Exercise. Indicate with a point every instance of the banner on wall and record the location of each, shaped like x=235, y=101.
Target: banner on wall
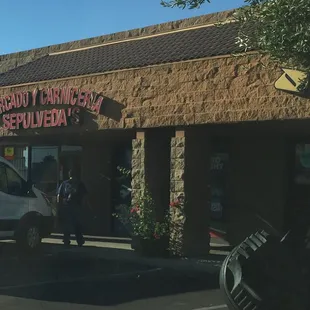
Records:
x=9, y=152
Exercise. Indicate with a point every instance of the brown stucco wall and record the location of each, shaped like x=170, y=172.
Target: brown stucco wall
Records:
x=229, y=89
x=218, y=90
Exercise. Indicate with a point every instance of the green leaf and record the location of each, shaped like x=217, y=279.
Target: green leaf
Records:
x=182, y=4
x=279, y=28
x=282, y=30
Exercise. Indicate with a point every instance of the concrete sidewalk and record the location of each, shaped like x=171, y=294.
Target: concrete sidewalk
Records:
x=121, y=251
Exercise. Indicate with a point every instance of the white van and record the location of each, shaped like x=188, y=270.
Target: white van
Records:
x=26, y=215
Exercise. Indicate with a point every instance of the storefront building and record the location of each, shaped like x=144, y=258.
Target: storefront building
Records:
x=171, y=103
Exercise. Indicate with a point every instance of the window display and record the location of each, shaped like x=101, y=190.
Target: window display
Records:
x=302, y=164
x=219, y=163
x=44, y=168
x=121, y=186
x=18, y=158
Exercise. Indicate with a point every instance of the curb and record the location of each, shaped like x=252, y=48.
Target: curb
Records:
x=184, y=265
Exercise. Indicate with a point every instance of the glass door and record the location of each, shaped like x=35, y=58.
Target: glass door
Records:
x=69, y=158
x=219, y=169
x=121, y=187
x=44, y=169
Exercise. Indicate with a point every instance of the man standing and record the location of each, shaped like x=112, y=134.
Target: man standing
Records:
x=70, y=197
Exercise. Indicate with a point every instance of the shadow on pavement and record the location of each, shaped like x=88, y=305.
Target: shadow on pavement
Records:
x=78, y=278
x=117, y=290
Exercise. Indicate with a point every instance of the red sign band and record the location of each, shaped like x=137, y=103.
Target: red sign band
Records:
x=73, y=98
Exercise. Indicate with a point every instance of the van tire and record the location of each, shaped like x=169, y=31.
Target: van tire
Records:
x=29, y=236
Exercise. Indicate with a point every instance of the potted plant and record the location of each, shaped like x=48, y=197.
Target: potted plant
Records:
x=149, y=235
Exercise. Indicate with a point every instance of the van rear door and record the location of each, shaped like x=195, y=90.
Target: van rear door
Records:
x=14, y=200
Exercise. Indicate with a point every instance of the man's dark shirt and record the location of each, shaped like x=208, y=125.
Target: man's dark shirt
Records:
x=72, y=192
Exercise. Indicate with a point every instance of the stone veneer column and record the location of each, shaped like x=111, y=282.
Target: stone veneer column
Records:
x=189, y=184
x=138, y=165
x=151, y=167
x=177, y=193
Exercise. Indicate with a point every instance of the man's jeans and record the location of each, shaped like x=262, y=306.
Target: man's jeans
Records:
x=70, y=222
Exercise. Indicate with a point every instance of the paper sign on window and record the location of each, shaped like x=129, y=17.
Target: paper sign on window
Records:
x=9, y=152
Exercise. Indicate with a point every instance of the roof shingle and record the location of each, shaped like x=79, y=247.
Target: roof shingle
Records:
x=173, y=47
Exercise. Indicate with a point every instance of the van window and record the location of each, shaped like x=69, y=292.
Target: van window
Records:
x=16, y=185
x=3, y=180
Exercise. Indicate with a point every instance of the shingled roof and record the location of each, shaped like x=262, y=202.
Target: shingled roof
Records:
x=176, y=46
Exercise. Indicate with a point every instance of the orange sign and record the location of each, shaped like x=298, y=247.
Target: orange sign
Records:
x=9, y=152
x=290, y=80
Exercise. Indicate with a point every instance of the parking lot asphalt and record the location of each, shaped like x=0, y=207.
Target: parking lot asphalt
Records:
x=52, y=281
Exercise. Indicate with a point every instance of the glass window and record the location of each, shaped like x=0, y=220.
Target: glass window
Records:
x=3, y=180
x=44, y=168
x=302, y=164
x=70, y=157
x=71, y=148
x=219, y=162
x=121, y=184
x=16, y=185
x=219, y=202
x=20, y=160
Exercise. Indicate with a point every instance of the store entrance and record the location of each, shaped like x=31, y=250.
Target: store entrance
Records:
x=50, y=166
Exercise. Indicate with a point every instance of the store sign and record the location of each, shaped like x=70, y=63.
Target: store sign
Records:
x=63, y=107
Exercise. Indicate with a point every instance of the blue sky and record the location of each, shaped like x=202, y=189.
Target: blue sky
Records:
x=27, y=24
